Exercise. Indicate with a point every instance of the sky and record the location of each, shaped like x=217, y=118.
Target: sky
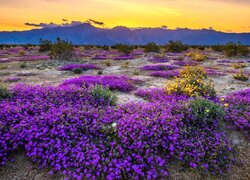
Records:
x=221, y=15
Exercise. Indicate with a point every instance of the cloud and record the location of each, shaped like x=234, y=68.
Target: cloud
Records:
x=65, y=24
x=42, y=25
x=91, y=21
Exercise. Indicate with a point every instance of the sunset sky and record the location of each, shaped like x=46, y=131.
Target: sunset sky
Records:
x=223, y=15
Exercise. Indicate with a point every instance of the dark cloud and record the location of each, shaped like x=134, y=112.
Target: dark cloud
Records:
x=66, y=24
x=42, y=25
x=91, y=21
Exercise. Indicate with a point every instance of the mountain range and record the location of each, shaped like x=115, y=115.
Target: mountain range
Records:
x=87, y=34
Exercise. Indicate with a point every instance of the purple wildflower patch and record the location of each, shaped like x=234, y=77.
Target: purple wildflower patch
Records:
x=121, y=83
x=70, y=67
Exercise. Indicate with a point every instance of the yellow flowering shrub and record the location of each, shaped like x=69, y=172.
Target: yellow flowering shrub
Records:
x=197, y=56
x=241, y=76
x=238, y=65
x=192, y=81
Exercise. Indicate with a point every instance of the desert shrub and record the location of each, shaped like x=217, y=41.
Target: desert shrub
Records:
x=45, y=45
x=23, y=65
x=4, y=92
x=77, y=71
x=203, y=143
x=100, y=72
x=103, y=95
x=204, y=112
x=241, y=76
x=125, y=65
x=2, y=66
x=123, y=48
x=136, y=73
x=235, y=49
x=176, y=46
x=238, y=65
x=21, y=53
x=151, y=47
x=191, y=82
x=197, y=56
x=106, y=48
x=107, y=63
x=218, y=48
x=62, y=50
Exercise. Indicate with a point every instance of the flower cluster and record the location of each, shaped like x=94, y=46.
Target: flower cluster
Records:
x=66, y=129
x=70, y=67
x=212, y=72
x=159, y=59
x=191, y=82
x=165, y=74
x=241, y=76
x=125, y=57
x=185, y=63
x=197, y=56
x=238, y=110
x=158, y=67
x=121, y=83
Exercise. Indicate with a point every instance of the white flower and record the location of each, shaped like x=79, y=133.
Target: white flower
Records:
x=114, y=124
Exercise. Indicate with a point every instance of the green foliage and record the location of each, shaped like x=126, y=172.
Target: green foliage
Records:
x=23, y=65
x=99, y=72
x=240, y=76
x=106, y=48
x=107, y=63
x=176, y=46
x=123, y=48
x=104, y=95
x=45, y=45
x=21, y=53
x=151, y=47
x=205, y=112
x=77, y=71
x=2, y=66
x=125, y=65
x=235, y=49
x=218, y=48
x=62, y=50
x=4, y=92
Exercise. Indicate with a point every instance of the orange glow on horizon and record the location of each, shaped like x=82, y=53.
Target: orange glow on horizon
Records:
x=227, y=16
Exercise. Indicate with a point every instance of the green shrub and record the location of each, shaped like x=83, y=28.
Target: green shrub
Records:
x=151, y=47
x=77, y=71
x=62, y=50
x=123, y=48
x=241, y=76
x=23, y=65
x=125, y=65
x=176, y=46
x=21, y=53
x=107, y=63
x=235, y=49
x=4, y=92
x=104, y=95
x=45, y=45
x=218, y=48
x=204, y=112
x=99, y=72
x=2, y=66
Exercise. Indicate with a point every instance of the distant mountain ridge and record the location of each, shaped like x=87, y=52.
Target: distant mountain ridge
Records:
x=86, y=34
